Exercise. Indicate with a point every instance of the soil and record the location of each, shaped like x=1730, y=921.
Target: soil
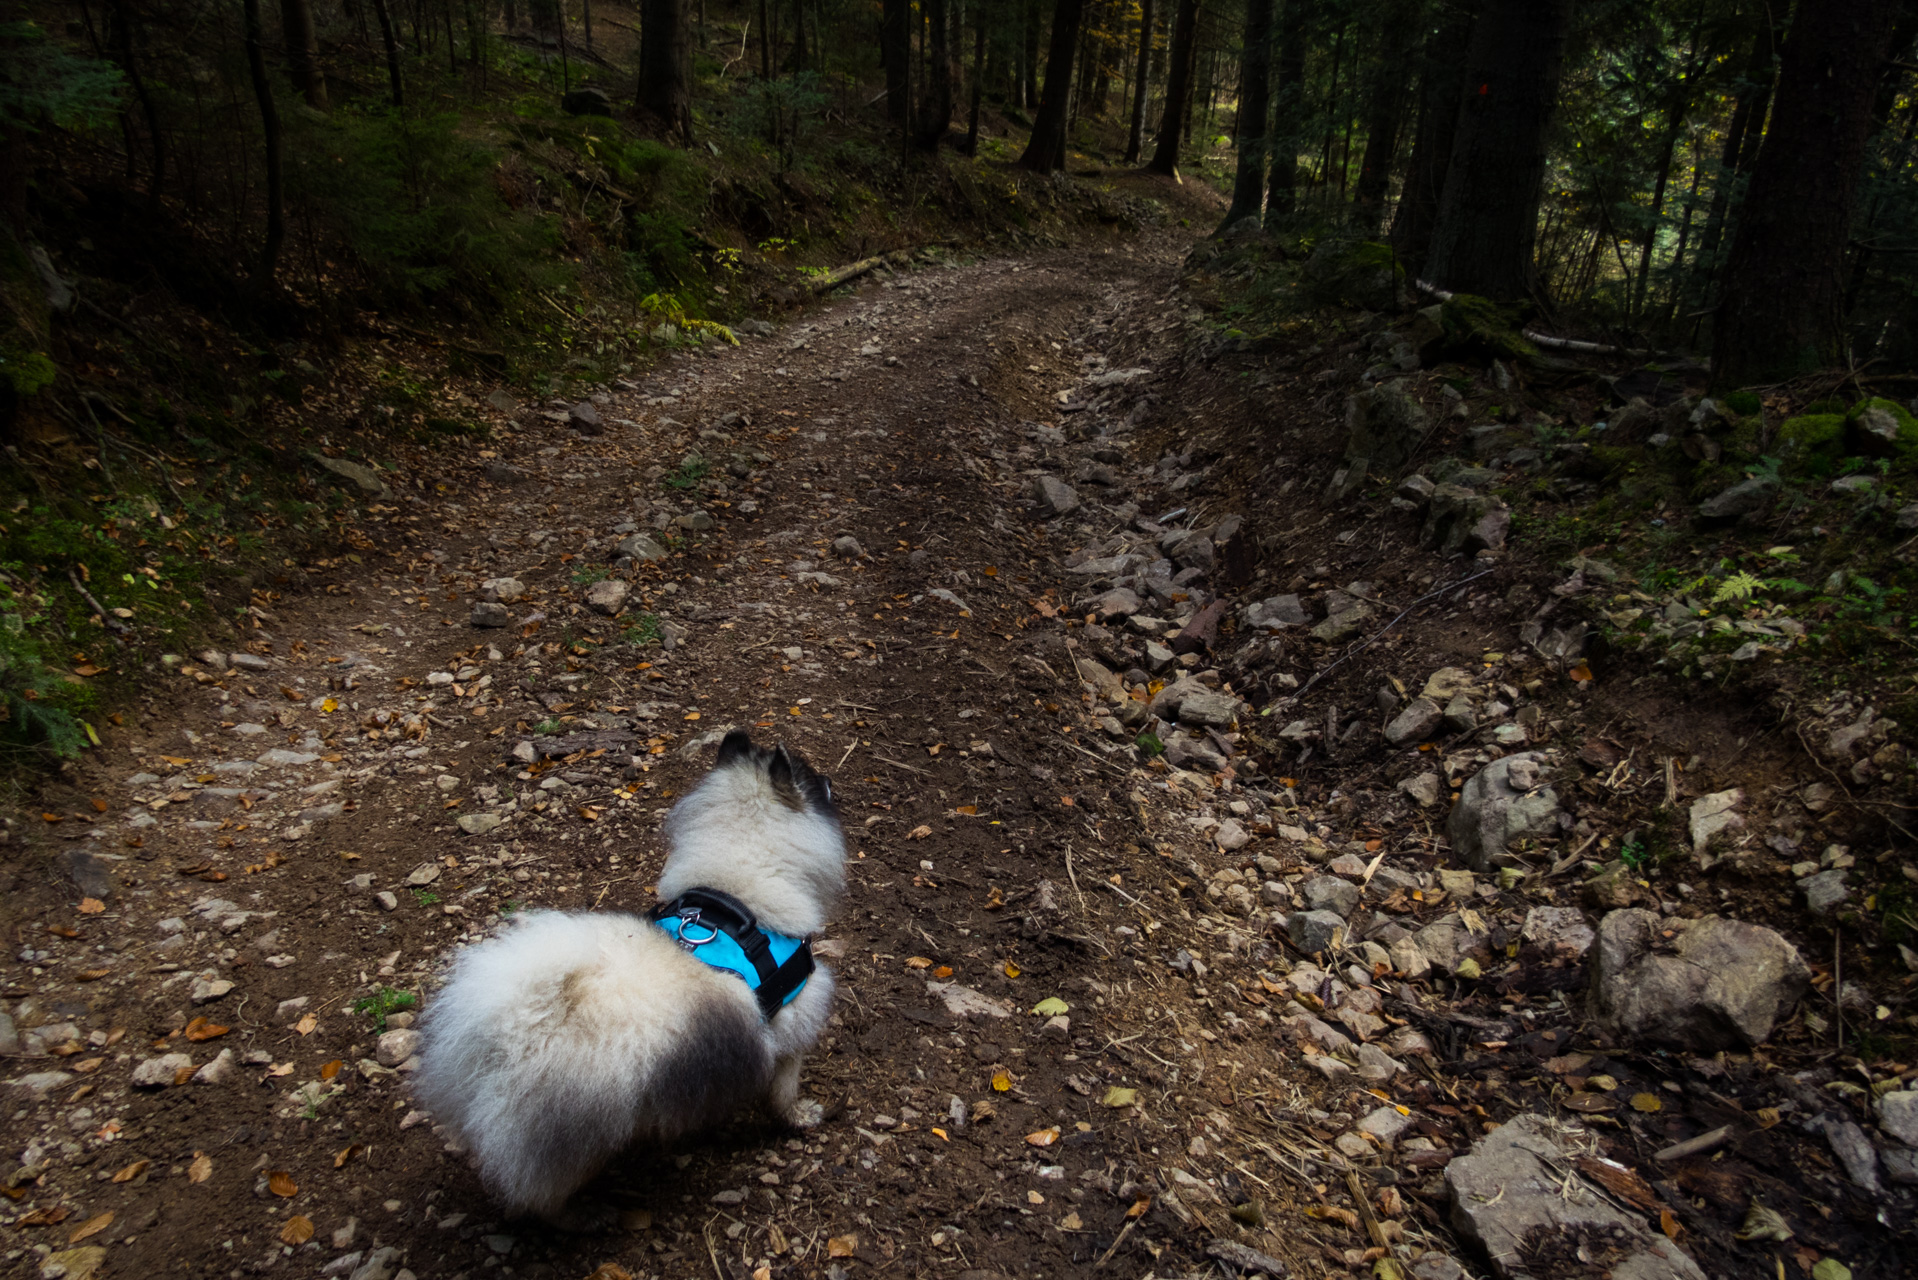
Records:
x=1002, y=842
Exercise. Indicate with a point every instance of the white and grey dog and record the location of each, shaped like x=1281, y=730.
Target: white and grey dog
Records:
x=574, y=1035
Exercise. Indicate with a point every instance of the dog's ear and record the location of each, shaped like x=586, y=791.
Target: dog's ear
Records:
x=783, y=774
x=735, y=746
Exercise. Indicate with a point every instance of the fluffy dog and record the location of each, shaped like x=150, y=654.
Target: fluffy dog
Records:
x=573, y=1035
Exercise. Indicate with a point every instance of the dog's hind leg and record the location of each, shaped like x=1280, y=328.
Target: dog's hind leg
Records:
x=800, y=1113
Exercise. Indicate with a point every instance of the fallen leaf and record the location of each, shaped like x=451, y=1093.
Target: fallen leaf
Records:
x=943, y=972
x=201, y=1029
x=282, y=1069
x=132, y=1171
x=842, y=1246
x=99, y=806
x=1768, y=1117
x=1763, y=1223
x=969, y=810
x=1051, y=1007
x=919, y=832
x=91, y=1227
x=611, y=1271
x=1119, y=1097
x=91, y=975
x=330, y=1069
x=995, y=898
x=918, y=962
x=281, y=1183
x=63, y=931
x=345, y=1154
x=329, y=705
x=1001, y=1082
x=1139, y=1207
x=1591, y=1102
x=1013, y=970
x=1830, y=1269
x=91, y=906
x=201, y=1169
x=1647, y=1102
x=1044, y=1137
x=1620, y=1181
x=1668, y=1223
x=306, y=1024
x=1581, y=673
x=46, y=1217
x=88, y=670
x=298, y=1230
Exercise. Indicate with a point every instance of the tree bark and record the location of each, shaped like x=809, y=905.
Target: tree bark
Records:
x=1488, y=214
x=935, y=104
x=1178, y=90
x=895, y=51
x=1440, y=92
x=1031, y=87
x=1135, y=130
x=270, y=127
x=1782, y=313
x=392, y=44
x=666, y=66
x=303, y=51
x=978, y=79
x=1387, y=95
x=1248, y=186
x=1046, y=152
x=1288, y=110
x=1741, y=137
x=120, y=37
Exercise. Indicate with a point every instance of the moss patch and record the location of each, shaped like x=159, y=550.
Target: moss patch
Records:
x=1479, y=326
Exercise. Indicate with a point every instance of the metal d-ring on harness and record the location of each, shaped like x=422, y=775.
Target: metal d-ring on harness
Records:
x=720, y=930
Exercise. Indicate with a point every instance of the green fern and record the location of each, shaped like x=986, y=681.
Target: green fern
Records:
x=1740, y=586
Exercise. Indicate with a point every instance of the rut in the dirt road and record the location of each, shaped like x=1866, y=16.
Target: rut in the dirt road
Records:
x=829, y=537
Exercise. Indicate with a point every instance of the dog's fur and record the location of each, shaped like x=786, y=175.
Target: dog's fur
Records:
x=575, y=1035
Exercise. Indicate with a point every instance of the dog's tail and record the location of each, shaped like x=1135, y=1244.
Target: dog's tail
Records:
x=554, y=1046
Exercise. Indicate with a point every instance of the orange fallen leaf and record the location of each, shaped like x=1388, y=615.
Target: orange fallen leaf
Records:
x=1044, y=1137
x=969, y=810
x=91, y=1227
x=942, y=972
x=46, y=1217
x=991, y=571
x=1013, y=970
x=611, y=1271
x=91, y=975
x=1580, y=673
x=281, y=1183
x=842, y=1246
x=1668, y=1224
x=88, y=1066
x=1001, y=1082
x=1139, y=1207
x=298, y=1230
x=201, y=1029
x=344, y=1154
x=201, y=1169
x=88, y=669
x=63, y=931
x=330, y=1069
x=99, y=806
x=91, y=906
x=132, y=1171
x=919, y=832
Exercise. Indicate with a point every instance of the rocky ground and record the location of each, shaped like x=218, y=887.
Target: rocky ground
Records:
x=1245, y=881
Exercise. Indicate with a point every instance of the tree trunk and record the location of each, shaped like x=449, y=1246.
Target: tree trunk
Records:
x=1248, y=187
x=895, y=51
x=1135, y=130
x=1046, y=152
x=1741, y=135
x=1178, y=90
x=1442, y=88
x=1385, y=109
x=1782, y=311
x=391, y=41
x=120, y=37
x=1488, y=215
x=935, y=104
x=303, y=51
x=796, y=60
x=1033, y=17
x=270, y=128
x=978, y=80
x=585, y=22
x=665, y=67
x=1288, y=110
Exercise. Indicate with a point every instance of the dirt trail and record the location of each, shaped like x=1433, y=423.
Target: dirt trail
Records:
x=282, y=840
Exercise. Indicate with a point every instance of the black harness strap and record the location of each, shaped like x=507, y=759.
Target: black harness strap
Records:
x=735, y=919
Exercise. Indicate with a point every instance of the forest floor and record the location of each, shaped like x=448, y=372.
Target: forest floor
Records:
x=287, y=840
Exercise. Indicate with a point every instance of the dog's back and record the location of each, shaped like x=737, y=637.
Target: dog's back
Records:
x=557, y=1045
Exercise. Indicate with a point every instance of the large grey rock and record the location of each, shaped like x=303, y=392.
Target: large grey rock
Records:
x=640, y=546
x=360, y=476
x=157, y=1073
x=1058, y=497
x=1715, y=815
x=1276, y=611
x=1345, y=623
x=1742, y=499
x=584, y=418
x=1507, y=800
x=608, y=597
x=1416, y=723
x=1712, y=984
x=1315, y=931
x=1512, y=1190
x=1563, y=932
x=1216, y=710
x=1384, y=426
x=1898, y=1115
x=504, y=590
x=488, y=614
x=1329, y=893
x=1462, y=522
x=1824, y=891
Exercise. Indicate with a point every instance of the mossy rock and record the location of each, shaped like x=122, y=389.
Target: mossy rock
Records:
x=1354, y=274
x=1743, y=403
x=1478, y=326
x=1811, y=433
x=1881, y=428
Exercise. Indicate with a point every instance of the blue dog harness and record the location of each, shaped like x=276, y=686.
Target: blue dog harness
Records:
x=720, y=930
